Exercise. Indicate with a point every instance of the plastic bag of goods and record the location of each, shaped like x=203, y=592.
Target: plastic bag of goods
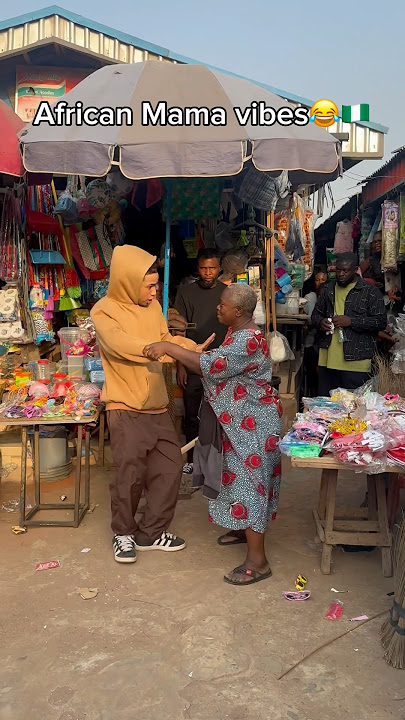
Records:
x=280, y=350
x=363, y=452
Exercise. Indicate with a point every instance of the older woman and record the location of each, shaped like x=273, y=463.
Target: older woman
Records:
x=237, y=384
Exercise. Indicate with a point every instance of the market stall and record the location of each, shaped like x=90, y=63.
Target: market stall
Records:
x=361, y=431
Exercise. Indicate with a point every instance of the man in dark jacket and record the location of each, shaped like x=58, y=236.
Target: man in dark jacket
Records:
x=348, y=316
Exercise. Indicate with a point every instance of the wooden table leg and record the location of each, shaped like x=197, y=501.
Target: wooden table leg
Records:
x=323, y=493
x=329, y=518
x=371, y=498
x=37, y=476
x=23, y=485
x=386, y=556
x=101, y=438
x=79, y=443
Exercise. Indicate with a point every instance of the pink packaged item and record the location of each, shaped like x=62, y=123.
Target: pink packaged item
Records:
x=335, y=611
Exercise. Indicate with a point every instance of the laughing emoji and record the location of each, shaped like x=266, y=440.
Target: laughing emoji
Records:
x=324, y=113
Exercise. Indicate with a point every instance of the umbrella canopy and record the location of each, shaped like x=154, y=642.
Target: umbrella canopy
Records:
x=10, y=126
x=309, y=153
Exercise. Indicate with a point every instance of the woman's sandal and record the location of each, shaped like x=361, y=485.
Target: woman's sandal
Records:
x=235, y=539
x=253, y=574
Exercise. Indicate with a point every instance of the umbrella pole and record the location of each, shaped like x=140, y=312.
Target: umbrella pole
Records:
x=167, y=248
x=270, y=275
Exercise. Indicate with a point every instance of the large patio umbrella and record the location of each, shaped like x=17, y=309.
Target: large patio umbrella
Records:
x=309, y=153
x=10, y=126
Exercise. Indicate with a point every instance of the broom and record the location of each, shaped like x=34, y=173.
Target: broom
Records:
x=393, y=629
x=388, y=381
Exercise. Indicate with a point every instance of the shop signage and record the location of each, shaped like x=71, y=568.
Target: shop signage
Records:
x=34, y=84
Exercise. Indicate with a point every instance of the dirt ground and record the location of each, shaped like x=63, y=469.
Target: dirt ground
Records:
x=167, y=639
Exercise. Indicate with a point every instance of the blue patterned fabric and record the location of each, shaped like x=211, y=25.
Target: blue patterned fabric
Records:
x=237, y=383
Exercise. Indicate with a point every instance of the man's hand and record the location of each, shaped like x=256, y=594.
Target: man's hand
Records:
x=154, y=351
x=325, y=325
x=202, y=348
x=341, y=321
x=181, y=376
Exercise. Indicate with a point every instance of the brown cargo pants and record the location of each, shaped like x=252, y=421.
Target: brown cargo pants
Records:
x=147, y=456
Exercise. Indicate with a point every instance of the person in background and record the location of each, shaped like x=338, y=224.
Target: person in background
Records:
x=312, y=289
x=144, y=443
x=371, y=267
x=197, y=303
x=238, y=390
x=348, y=316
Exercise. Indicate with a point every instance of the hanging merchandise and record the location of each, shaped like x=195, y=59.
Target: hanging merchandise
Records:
x=282, y=224
x=119, y=185
x=309, y=230
x=261, y=190
x=98, y=194
x=401, y=249
x=389, y=252
x=343, y=237
x=197, y=198
x=296, y=240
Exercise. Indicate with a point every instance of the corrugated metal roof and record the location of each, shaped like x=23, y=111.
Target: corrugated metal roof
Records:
x=112, y=44
x=382, y=171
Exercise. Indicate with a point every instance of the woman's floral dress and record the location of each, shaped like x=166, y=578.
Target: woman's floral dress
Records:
x=237, y=383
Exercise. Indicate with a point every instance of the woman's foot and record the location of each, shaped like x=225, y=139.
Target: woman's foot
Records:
x=233, y=537
x=247, y=574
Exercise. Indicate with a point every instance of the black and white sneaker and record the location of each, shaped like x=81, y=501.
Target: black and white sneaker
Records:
x=167, y=542
x=188, y=469
x=124, y=548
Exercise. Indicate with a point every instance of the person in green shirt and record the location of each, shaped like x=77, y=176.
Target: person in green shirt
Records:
x=348, y=316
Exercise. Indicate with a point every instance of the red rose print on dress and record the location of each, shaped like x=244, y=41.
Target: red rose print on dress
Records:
x=271, y=495
x=261, y=383
x=228, y=477
x=273, y=517
x=253, y=462
x=271, y=443
x=218, y=365
x=261, y=489
x=239, y=511
x=210, y=519
x=226, y=445
x=221, y=386
x=265, y=349
x=228, y=341
x=248, y=423
x=277, y=470
x=252, y=346
x=267, y=400
x=280, y=409
x=240, y=392
x=225, y=418
x=251, y=367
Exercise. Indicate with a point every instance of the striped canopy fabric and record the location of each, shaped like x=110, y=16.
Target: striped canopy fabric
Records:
x=309, y=153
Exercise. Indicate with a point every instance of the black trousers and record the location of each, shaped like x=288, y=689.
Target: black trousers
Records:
x=311, y=357
x=331, y=379
x=192, y=397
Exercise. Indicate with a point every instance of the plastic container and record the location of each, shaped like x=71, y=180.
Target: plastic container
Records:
x=69, y=336
x=75, y=366
x=281, y=308
x=43, y=371
x=293, y=303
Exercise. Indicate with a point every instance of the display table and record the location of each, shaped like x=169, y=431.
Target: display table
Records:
x=351, y=525
x=79, y=508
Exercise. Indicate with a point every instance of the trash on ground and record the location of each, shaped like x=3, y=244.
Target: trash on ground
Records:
x=85, y=550
x=47, y=565
x=360, y=617
x=338, y=591
x=87, y=593
x=63, y=497
x=191, y=674
x=17, y=530
x=335, y=611
x=300, y=582
x=92, y=508
x=300, y=595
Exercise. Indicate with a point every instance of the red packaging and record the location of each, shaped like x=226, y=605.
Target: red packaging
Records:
x=47, y=565
x=335, y=611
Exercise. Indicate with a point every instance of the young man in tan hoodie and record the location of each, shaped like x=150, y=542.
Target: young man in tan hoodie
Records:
x=144, y=443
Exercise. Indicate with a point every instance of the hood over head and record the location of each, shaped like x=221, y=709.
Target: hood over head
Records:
x=129, y=266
